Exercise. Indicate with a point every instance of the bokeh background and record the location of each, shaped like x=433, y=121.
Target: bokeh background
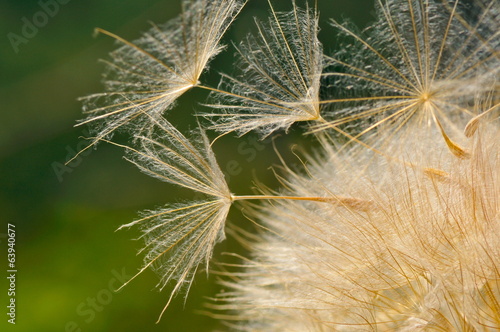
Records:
x=69, y=257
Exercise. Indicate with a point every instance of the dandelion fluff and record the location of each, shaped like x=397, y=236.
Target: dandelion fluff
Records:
x=149, y=74
x=392, y=234
x=422, y=62
x=425, y=256
x=179, y=237
x=280, y=77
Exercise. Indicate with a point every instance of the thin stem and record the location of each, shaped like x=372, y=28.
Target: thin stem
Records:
x=347, y=202
x=296, y=198
x=242, y=97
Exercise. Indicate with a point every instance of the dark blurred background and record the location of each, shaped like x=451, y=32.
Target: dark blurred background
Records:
x=69, y=257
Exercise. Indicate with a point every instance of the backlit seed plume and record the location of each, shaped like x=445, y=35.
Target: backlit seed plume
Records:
x=422, y=61
x=149, y=74
x=179, y=237
x=418, y=250
x=280, y=77
x=394, y=233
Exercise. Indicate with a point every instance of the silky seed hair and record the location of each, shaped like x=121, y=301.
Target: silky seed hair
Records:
x=179, y=237
x=422, y=61
x=423, y=256
x=393, y=225
x=279, y=77
x=147, y=75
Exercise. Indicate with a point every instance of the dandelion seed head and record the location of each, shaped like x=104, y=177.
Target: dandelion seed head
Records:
x=392, y=233
x=425, y=256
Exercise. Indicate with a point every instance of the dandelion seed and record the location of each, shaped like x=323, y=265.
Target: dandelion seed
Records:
x=428, y=61
x=149, y=74
x=180, y=236
x=280, y=80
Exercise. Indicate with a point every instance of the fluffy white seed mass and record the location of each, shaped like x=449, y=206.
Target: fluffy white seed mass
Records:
x=417, y=248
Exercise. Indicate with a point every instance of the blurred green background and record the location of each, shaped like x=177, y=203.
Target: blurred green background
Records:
x=69, y=257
